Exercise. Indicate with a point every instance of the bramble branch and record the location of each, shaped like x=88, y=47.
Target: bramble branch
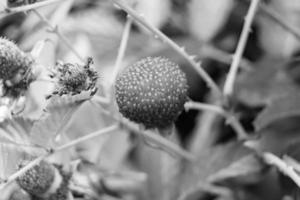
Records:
x=289, y=171
x=229, y=83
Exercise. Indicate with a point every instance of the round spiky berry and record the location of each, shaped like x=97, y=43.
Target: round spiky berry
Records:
x=75, y=78
x=46, y=181
x=37, y=180
x=12, y=60
x=152, y=92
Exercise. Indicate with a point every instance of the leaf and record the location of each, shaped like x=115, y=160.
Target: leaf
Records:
x=206, y=18
x=15, y=131
x=211, y=160
x=247, y=170
x=279, y=109
x=267, y=81
x=56, y=117
x=14, y=143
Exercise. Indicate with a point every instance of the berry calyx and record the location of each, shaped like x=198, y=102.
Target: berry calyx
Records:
x=152, y=92
x=75, y=78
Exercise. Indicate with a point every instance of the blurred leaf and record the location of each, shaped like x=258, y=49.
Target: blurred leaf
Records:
x=56, y=117
x=267, y=81
x=162, y=169
x=275, y=40
x=247, y=170
x=279, y=108
x=207, y=17
x=279, y=138
x=211, y=160
x=16, y=130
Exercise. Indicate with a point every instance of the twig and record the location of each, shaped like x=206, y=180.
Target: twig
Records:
x=87, y=137
x=56, y=150
x=23, y=170
x=29, y=7
x=158, y=34
x=203, y=106
x=230, y=118
x=122, y=49
x=271, y=13
x=59, y=34
x=292, y=162
x=289, y=171
x=229, y=83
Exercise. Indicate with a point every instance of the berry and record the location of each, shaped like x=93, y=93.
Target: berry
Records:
x=46, y=181
x=12, y=60
x=37, y=180
x=152, y=92
x=15, y=69
x=75, y=78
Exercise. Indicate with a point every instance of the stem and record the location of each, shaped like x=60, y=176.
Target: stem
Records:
x=59, y=34
x=30, y=6
x=202, y=106
x=229, y=83
x=122, y=49
x=271, y=13
x=24, y=169
x=87, y=137
x=230, y=118
x=157, y=33
x=289, y=171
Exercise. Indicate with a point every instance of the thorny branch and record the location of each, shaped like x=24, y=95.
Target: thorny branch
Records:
x=229, y=83
x=288, y=170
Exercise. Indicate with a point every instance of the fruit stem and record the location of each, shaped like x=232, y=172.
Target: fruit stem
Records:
x=286, y=169
x=157, y=33
x=230, y=118
x=229, y=83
